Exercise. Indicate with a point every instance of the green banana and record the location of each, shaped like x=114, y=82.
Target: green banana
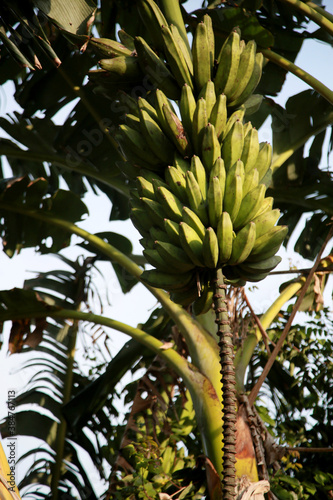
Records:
x=155, y=137
x=153, y=19
x=232, y=276
x=187, y=106
x=211, y=149
x=125, y=67
x=194, y=195
x=252, y=104
x=145, y=188
x=264, y=159
x=242, y=45
x=233, y=193
x=225, y=236
x=183, y=48
x=208, y=93
x=252, y=83
x=211, y=40
x=150, y=175
x=191, y=243
x=215, y=201
x=200, y=121
x=141, y=220
x=133, y=122
x=250, y=150
x=263, y=266
x=133, y=161
x=144, y=105
x=146, y=243
x=175, y=58
x=194, y=221
x=267, y=205
x=109, y=48
x=127, y=168
x=266, y=221
x=218, y=115
x=135, y=200
x=172, y=230
x=253, y=278
x=160, y=100
x=269, y=252
x=155, y=211
x=247, y=127
x=153, y=257
x=243, y=244
x=268, y=241
x=250, y=205
x=157, y=233
x=174, y=256
x=134, y=141
x=218, y=171
x=201, y=56
x=126, y=39
x=171, y=205
x=210, y=248
x=199, y=172
x=177, y=183
x=232, y=145
x=154, y=68
x=186, y=297
x=180, y=163
x=128, y=101
x=236, y=115
x=176, y=132
x=202, y=304
x=167, y=281
x=251, y=181
x=228, y=62
x=245, y=69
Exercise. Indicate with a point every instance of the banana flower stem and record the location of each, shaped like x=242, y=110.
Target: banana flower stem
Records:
x=228, y=387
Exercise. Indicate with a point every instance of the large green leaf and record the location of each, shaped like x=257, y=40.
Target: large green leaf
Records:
x=76, y=17
x=45, y=388
x=22, y=301
x=93, y=397
x=299, y=185
x=226, y=18
x=18, y=230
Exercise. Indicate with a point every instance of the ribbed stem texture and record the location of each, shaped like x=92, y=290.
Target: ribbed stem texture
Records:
x=228, y=388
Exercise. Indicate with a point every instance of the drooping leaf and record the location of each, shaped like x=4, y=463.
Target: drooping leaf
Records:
x=19, y=230
x=77, y=19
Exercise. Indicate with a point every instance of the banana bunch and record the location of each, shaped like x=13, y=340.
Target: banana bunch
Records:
x=167, y=61
x=200, y=173
x=199, y=201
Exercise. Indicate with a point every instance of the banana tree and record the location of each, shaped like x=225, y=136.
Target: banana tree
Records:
x=205, y=221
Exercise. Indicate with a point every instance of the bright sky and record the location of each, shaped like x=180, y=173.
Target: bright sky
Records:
x=136, y=306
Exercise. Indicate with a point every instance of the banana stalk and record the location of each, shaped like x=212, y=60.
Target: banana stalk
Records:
x=229, y=392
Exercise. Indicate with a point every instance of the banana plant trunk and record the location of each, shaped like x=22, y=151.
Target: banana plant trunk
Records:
x=228, y=387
